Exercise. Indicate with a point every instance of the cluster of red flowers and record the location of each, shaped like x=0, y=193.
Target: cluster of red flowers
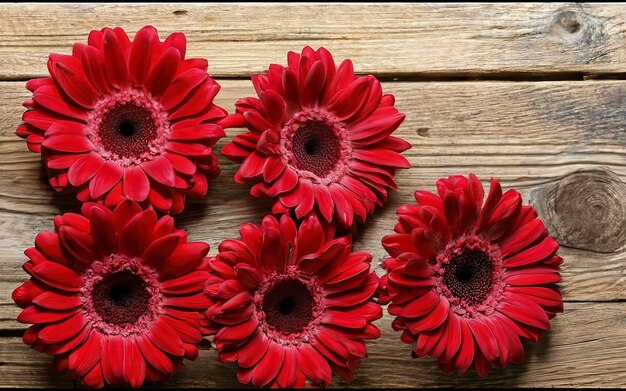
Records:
x=119, y=296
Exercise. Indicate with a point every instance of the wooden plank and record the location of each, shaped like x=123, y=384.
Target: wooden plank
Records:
x=585, y=347
x=533, y=136
x=416, y=40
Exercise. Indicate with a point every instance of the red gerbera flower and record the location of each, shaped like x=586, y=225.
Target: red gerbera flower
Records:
x=114, y=296
x=290, y=304
x=466, y=280
x=121, y=119
x=319, y=139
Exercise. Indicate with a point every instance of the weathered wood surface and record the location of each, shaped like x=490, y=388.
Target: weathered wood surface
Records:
x=562, y=143
x=392, y=39
x=583, y=348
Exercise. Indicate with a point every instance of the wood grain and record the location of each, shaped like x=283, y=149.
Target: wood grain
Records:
x=585, y=347
x=395, y=40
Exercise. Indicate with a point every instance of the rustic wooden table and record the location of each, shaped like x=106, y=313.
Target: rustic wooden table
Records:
x=533, y=94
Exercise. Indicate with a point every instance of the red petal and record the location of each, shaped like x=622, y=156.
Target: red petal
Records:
x=188, y=149
x=62, y=162
x=531, y=276
x=178, y=41
x=56, y=104
x=74, y=84
x=199, y=301
x=504, y=214
x=343, y=319
x=70, y=344
x=93, y=66
x=188, y=284
x=198, y=101
x=431, y=321
x=186, y=257
x=347, y=103
x=312, y=85
x=136, y=235
x=453, y=337
x=161, y=170
x=24, y=294
x=181, y=163
x=86, y=355
x=58, y=276
x=64, y=330
x=307, y=201
x=533, y=254
x=524, y=311
x=103, y=232
x=267, y=368
x=140, y=58
x=237, y=333
x=181, y=87
x=427, y=340
x=134, y=364
x=289, y=369
x=57, y=301
x=160, y=198
x=107, y=176
x=421, y=306
x=124, y=212
x=343, y=209
x=313, y=365
x=163, y=72
x=253, y=350
x=354, y=296
x=501, y=338
x=166, y=338
x=164, y=226
x=522, y=238
x=114, y=59
x=484, y=338
x=274, y=105
x=136, y=184
x=465, y=356
x=67, y=143
x=154, y=356
x=310, y=237
x=381, y=157
x=285, y=182
x=185, y=331
x=159, y=250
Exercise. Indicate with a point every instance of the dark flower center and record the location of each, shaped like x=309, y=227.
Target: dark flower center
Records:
x=469, y=276
x=127, y=130
x=121, y=298
x=316, y=148
x=288, y=306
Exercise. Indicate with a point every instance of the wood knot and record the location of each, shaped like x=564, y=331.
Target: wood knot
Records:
x=568, y=21
x=577, y=26
x=587, y=210
x=423, y=132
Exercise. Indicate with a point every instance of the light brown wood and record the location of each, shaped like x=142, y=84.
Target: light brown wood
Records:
x=585, y=347
x=402, y=39
x=558, y=137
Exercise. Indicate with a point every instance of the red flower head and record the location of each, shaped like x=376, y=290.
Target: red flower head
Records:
x=468, y=280
x=126, y=120
x=290, y=304
x=114, y=296
x=319, y=139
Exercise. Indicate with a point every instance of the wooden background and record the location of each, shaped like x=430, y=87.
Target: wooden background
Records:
x=533, y=94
